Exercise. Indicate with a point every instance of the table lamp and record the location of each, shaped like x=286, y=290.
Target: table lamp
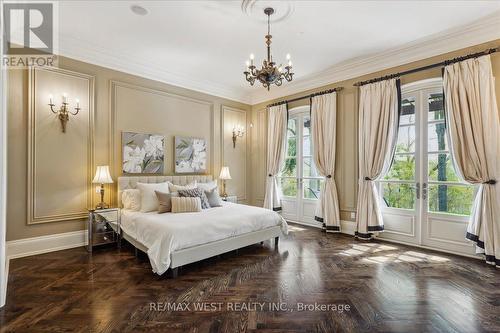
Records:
x=102, y=177
x=224, y=175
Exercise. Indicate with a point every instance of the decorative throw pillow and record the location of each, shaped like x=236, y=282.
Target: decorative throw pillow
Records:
x=207, y=186
x=165, y=201
x=149, y=201
x=213, y=197
x=131, y=199
x=176, y=188
x=186, y=204
x=196, y=192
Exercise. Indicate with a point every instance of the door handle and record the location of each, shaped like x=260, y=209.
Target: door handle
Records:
x=418, y=190
x=424, y=191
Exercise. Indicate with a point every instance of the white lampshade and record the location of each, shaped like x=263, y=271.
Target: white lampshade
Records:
x=224, y=173
x=102, y=175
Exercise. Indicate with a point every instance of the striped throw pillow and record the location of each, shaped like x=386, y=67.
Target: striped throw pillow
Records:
x=186, y=204
x=196, y=192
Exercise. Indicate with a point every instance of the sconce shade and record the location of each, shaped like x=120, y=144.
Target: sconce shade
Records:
x=102, y=175
x=224, y=173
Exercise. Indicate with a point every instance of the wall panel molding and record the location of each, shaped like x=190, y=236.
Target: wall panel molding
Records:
x=229, y=155
x=33, y=216
x=114, y=132
x=260, y=159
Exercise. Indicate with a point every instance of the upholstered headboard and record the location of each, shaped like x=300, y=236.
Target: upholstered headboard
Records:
x=126, y=182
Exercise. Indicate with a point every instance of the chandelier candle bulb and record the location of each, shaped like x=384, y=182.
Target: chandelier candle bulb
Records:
x=50, y=99
x=65, y=98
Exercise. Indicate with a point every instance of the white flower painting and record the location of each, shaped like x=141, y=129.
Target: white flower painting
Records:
x=143, y=153
x=190, y=155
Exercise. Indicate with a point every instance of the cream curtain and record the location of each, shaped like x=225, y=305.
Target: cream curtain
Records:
x=276, y=150
x=474, y=130
x=323, y=129
x=379, y=107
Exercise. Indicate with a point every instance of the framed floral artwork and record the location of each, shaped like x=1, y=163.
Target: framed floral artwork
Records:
x=190, y=155
x=142, y=153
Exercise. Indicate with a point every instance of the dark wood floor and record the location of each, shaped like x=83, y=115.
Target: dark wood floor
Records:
x=389, y=288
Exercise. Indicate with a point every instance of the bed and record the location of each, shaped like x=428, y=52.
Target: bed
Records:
x=172, y=240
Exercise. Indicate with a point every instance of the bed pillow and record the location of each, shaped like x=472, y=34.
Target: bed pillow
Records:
x=207, y=186
x=186, y=204
x=165, y=201
x=149, y=201
x=131, y=199
x=196, y=192
x=213, y=197
x=176, y=188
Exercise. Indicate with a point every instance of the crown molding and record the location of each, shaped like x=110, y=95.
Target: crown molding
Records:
x=477, y=32
x=82, y=50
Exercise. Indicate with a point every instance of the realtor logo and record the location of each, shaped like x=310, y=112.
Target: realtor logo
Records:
x=29, y=34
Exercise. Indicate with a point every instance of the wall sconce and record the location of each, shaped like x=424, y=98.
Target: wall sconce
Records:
x=63, y=112
x=238, y=132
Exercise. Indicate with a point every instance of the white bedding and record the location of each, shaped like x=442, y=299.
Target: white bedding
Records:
x=165, y=233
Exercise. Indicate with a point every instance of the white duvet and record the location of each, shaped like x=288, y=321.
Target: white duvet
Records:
x=165, y=233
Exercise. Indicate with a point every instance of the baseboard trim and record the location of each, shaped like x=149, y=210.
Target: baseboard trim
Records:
x=317, y=226
x=44, y=244
x=348, y=227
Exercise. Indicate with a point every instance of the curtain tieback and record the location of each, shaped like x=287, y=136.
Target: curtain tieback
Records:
x=490, y=182
x=329, y=176
x=368, y=179
x=270, y=175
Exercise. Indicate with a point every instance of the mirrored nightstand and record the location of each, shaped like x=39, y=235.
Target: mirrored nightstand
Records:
x=103, y=227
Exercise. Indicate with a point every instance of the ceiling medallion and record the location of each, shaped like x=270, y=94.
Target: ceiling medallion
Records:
x=269, y=73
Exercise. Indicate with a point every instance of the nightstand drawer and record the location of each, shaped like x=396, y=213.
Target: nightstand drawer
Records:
x=109, y=216
x=100, y=227
x=104, y=238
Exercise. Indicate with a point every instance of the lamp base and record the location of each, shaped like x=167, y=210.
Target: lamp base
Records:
x=224, y=194
x=102, y=205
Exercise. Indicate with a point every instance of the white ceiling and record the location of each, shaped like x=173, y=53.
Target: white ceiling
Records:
x=203, y=45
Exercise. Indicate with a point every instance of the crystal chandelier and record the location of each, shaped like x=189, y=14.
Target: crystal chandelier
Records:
x=269, y=74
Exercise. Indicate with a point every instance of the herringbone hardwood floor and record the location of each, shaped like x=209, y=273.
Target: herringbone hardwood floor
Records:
x=388, y=288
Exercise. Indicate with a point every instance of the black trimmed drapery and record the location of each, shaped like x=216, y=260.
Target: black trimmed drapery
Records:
x=473, y=127
x=276, y=151
x=323, y=130
x=379, y=110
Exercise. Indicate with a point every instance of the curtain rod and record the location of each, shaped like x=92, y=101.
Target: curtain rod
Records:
x=329, y=91
x=439, y=64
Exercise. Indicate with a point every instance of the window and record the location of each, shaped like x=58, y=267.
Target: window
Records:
x=447, y=194
x=299, y=174
x=422, y=165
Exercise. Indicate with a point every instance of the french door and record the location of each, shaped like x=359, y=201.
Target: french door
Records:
x=423, y=200
x=299, y=180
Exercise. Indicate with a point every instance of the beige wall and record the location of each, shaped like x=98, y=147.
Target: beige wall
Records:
x=347, y=124
x=122, y=102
